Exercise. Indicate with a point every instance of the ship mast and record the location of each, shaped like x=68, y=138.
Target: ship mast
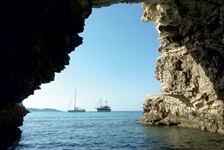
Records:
x=100, y=102
x=75, y=99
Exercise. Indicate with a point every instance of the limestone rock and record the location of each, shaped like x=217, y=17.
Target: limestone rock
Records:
x=105, y=3
x=190, y=68
x=160, y=109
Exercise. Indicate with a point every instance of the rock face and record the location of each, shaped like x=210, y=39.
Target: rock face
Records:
x=36, y=38
x=191, y=67
x=12, y=115
x=105, y=3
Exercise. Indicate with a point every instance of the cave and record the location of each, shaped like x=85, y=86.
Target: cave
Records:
x=37, y=36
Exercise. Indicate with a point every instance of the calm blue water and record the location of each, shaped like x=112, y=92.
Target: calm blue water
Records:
x=105, y=131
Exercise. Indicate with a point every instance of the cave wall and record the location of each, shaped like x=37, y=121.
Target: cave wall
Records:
x=106, y=3
x=36, y=38
x=191, y=67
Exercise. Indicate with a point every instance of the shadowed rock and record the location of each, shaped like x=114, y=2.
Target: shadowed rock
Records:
x=9, y=139
x=36, y=38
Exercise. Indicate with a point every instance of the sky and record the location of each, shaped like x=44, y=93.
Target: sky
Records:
x=116, y=62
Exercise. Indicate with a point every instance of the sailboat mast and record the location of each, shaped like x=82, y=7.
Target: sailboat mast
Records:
x=75, y=99
x=100, y=102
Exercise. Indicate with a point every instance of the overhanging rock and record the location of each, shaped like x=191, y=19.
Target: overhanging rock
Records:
x=105, y=3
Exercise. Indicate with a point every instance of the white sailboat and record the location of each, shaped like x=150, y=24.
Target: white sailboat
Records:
x=76, y=109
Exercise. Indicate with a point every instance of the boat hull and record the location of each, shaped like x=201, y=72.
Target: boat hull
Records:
x=104, y=110
x=76, y=111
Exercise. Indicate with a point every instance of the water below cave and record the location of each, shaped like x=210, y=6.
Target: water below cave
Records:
x=106, y=130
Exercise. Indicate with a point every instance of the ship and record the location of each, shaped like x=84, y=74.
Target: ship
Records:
x=103, y=108
x=75, y=109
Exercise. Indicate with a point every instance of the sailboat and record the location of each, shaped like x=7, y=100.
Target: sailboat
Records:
x=76, y=109
x=103, y=108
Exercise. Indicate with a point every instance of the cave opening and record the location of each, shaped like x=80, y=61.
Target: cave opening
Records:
x=116, y=61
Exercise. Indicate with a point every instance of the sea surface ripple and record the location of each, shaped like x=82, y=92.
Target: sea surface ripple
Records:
x=105, y=131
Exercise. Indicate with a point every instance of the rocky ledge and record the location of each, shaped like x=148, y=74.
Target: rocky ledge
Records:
x=162, y=109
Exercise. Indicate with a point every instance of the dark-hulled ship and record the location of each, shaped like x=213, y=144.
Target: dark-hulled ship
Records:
x=103, y=108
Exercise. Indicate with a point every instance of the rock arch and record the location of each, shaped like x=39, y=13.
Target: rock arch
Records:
x=37, y=36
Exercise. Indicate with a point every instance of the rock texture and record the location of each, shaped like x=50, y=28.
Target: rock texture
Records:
x=105, y=3
x=36, y=38
x=191, y=67
x=12, y=115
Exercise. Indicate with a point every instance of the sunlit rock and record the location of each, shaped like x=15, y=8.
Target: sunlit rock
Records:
x=190, y=68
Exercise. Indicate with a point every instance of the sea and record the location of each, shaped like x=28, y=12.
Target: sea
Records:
x=116, y=130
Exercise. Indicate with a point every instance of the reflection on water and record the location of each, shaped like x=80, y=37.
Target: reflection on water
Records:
x=10, y=139
x=181, y=138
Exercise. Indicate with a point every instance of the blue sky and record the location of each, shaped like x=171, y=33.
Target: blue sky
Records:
x=116, y=62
